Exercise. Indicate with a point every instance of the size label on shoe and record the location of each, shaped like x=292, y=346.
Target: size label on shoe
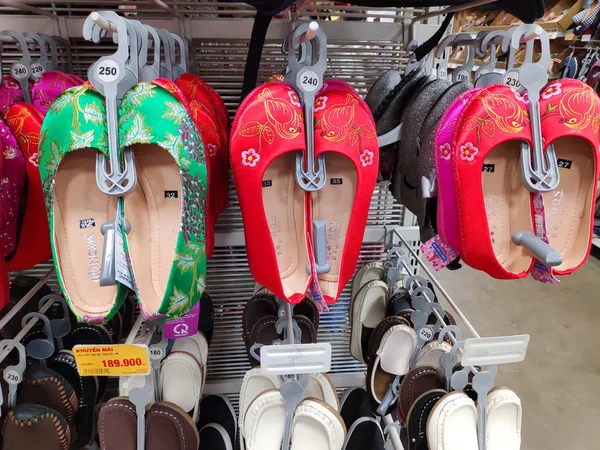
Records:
x=171, y=194
x=336, y=181
x=564, y=163
x=112, y=360
x=267, y=183
x=489, y=168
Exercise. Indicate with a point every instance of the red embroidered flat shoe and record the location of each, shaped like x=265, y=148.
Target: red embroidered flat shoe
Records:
x=345, y=134
x=213, y=127
x=33, y=246
x=492, y=201
x=267, y=132
x=571, y=123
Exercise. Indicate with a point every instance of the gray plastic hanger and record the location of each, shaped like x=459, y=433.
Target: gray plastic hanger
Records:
x=539, y=169
x=112, y=77
x=308, y=79
x=60, y=327
x=190, y=51
x=142, y=34
x=449, y=360
x=53, y=59
x=181, y=67
x=511, y=75
x=21, y=69
x=463, y=72
x=68, y=68
x=168, y=43
x=40, y=348
x=486, y=75
x=424, y=331
x=152, y=71
x=13, y=375
x=40, y=65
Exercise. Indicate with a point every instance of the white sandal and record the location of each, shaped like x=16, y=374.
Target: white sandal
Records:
x=317, y=426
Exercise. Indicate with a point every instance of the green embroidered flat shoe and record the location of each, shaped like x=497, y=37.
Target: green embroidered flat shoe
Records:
x=166, y=244
x=74, y=130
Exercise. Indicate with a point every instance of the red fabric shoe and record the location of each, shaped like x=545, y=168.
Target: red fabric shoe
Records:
x=345, y=134
x=492, y=201
x=213, y=126
x=267, y=132
x=571, y=122
x=25, y=121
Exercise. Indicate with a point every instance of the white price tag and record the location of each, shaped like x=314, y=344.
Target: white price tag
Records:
x=19, y=71
x=511, y=79
x=309, y=81
x=108, y=71
x=122, y=268
x=295, y=359
x=12, y=377
x=37, y=70
x=156, y=353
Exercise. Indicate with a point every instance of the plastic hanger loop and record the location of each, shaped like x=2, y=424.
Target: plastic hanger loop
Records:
x=21, y=69
x=112, y=76
x=68, y=68
x=307, y=78
x=539, y=169
x=41, y=64
x=486, y=75
x=181, y=67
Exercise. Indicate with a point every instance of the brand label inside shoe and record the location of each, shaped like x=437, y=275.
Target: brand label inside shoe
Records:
x=564, y=163
x=171, y=194
x=488, y=168
x=87, y=223
x=267, y=183
x=93, y=257
x=336, y=181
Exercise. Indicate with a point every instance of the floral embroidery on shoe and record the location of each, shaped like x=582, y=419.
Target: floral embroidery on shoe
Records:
x=321, y=103
x=212, y=149
x=445, y=151
x=33, y=159
x=366, y=158
x=468, y=152
x=552, y=90
x=10, y=153
x=250, y=158
x=524, y=98
x=294, y=99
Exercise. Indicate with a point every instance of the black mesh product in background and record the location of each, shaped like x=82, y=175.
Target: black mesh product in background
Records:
x=526, y=10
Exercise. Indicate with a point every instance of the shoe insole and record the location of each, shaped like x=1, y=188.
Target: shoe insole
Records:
x=309, y=432
x=284, y=205
x=507, y=204
x=80, y=209
x=460, y=429
x=154, y=211
x=568, y=208
x=333, y=204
